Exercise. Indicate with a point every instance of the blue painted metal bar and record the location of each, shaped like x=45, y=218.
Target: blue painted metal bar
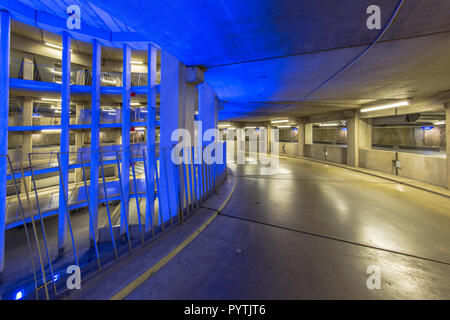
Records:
x=138, y=209
x=105, y=190
x=151, y=136
x=65, y=141
x=126, y=126
x=5, y=25
x=34, y=128
x=44, y=233
x=95, y=135
x=65, y=198
x=123, y=197
x=91, y=217
x=158, y=184
x=149, y=206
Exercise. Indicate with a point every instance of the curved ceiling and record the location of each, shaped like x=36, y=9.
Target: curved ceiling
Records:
x=265, y=58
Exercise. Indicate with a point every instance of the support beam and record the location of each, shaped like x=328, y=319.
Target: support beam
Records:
x=447, y=137
x=309, y=133
x=126, y=126
x=64, y=142
x=5, y=30
x=95, y=135
x=151, y=136
x=300, y=138
x=365, y=133
x=172, y=101
x=353, y=140
x=27, y=114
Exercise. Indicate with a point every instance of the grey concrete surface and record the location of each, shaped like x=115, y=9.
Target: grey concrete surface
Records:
x=310, y=232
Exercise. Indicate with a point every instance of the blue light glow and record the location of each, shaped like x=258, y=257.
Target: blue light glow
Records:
x=19, y=295
x=427, y=128
x=55, y=277
x=344, y=129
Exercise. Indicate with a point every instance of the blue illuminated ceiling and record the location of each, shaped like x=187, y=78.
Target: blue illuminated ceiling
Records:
x=264, y=58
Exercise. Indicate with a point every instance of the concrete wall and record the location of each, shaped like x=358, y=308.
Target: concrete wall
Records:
x=415, y=166
x=290, y=148
x=428, y=169
x=331, y=153
x=377, y=160
x=410, y=137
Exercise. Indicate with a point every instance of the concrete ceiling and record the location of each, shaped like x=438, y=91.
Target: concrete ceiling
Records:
x=264, y=59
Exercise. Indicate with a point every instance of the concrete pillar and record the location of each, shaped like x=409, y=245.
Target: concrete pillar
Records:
x=365, y=133
x=269, y=139
x=309, y=133
x=301, y=138
x=27, y=138
x=151, y=135
x=126, y=126
x=240, y=145
x=5, y=29
x=95, y=135
x=207, y=114
x=353, y=136
x=447, y=137
x=79, y=142
x=172, y=102
x=64, y=142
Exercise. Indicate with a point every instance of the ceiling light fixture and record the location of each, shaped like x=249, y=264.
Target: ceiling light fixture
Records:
x=386, y=106
x=109, y=81
x=329, y=125
x=54, y=46
x=279, y=121
x=51, y=99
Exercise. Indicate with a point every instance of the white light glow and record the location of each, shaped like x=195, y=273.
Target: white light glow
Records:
x=51, y=130
x=439, y=123
x=51, y=99
x=136, y=62
x=109, y=81
x=329, y=125
x=386, y=106
x=55, y=46
x=279, y=121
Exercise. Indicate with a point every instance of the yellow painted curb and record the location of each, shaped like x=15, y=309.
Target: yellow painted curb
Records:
x=161, y=263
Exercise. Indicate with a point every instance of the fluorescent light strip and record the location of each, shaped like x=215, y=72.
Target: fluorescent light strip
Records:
x=109, y=81
x=386, y=106
x=329, y=125
x=439, y=123
x=51, y=99
x=284, y=126
x=135, y=104
x=279, y=121
x=55, y=46
x=224, y=125
x=136, y=62
x=51, y=130
x=250, y=127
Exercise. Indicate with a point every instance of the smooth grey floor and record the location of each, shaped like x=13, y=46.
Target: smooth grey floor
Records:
x=310, y=231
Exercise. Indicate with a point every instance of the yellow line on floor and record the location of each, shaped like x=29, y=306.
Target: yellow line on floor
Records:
x=161, y=263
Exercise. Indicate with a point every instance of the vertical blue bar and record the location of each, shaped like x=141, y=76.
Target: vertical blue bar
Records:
x=126, y=126
x=5, y=24
x=95, y=134
x=64, y=143
x=151, y=135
